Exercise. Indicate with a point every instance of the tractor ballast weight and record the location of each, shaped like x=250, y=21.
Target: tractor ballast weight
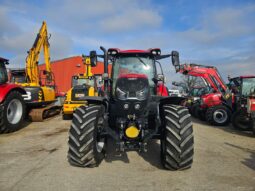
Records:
x=132, y=112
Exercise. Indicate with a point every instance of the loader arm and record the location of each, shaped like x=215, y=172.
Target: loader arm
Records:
x=87, y=64
x=209, y=73
x=32, y=69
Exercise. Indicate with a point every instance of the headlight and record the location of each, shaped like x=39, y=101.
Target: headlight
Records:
x=137, y=106
x=142, y=94
x=121, y=94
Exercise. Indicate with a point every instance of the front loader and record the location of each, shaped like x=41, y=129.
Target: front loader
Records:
x=133, y=111
x=215, y=106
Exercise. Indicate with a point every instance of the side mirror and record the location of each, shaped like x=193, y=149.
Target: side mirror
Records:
x=176, y=60
x=159, y=78
x=93, y=58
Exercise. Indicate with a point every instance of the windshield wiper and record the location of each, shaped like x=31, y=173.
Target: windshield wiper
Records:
x=141, y=61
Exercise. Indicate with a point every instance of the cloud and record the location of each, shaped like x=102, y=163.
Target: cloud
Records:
x=221, y=25
x=7, y=26
x=222, y=35
x=131, y=20
x=94, y=16
x=16, y=38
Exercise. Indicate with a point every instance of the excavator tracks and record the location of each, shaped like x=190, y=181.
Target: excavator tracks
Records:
x=41, y=114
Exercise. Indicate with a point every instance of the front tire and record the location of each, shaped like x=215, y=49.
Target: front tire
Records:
x=253, y=126
x=67, y=116
x=218, y=115
x=177, y=142
x=12, y=112
x=86, y=146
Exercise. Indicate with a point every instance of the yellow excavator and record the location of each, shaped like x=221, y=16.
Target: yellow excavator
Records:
x=83, y=85
x=39, y=85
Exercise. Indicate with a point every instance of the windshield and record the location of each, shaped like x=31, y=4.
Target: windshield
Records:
x=18, y=79
x=248, y=86
x=135, y=65
x=83, y=81
x=3, y=74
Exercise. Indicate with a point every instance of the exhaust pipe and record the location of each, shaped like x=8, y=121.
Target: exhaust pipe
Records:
x=105, y=59
x=105, y=75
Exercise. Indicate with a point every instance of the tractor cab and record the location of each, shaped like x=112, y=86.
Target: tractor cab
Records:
x=3, y=71
x=137, y=63
x=243, y=88
x=248, y=86
x=248, y=91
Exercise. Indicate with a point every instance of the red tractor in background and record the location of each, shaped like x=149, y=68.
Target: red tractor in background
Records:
x=243, y=88
x=192, y=96
x=12, y=106
x=215, y=106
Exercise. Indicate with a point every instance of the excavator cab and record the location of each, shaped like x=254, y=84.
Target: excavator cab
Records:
x=18, y=76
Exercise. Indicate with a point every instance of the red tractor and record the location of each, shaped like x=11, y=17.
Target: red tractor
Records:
x=134, y=110
x=12, y=106
x=215, y=106
x=243, y=88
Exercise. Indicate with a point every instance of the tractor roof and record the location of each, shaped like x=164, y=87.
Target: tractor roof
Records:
x=242, y=77
x=247, y=76
x=114, y=51
x=3, y=60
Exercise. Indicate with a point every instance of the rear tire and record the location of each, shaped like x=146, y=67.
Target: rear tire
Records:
x=218, y=115
x=12, y=112
x=86, y=147
x=195, y=110
x=177, y=142
x=240, y=124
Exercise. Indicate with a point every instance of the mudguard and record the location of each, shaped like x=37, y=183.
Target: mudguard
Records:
x=172, y=100
x=97, y=100
x=6, y=88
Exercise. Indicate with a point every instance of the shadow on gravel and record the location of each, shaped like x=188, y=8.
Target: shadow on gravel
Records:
x=152, y=156
x=23, y=125
x=229, y=128
x=113, y=155
x=249, y=162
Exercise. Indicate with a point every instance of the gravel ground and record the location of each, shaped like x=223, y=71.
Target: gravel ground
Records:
x=34, y=158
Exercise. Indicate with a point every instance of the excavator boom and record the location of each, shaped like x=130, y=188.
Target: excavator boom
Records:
x=32, y=70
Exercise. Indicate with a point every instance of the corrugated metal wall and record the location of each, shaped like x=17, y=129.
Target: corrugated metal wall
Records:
x=64, y=70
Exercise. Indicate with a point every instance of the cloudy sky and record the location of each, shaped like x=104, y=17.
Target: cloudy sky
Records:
x=219, y=32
